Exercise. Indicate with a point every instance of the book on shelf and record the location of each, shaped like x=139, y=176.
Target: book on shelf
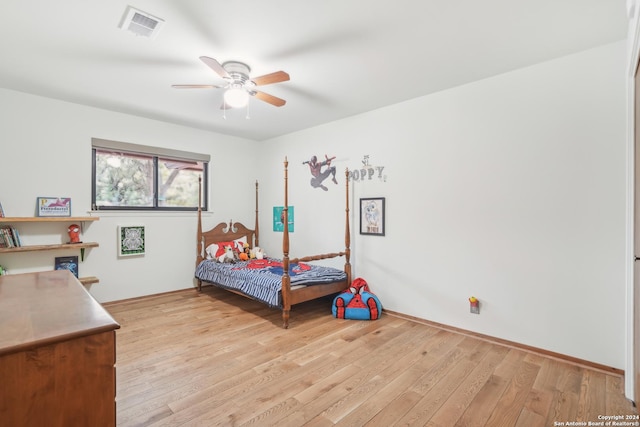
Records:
x=1, y=211
x=67, y=263
x=9, y=237
x=16, y=237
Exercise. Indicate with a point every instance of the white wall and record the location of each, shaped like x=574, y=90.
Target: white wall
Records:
x=46, y=151
x=511, y=189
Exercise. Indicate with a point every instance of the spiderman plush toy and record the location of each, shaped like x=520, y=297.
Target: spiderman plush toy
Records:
x=357, y=302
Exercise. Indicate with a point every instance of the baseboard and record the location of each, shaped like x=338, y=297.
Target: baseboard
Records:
x=125, y=300
x=559, y=356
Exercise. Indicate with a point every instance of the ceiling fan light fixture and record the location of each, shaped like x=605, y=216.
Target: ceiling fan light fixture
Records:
x=236, y=97
x=239, y=86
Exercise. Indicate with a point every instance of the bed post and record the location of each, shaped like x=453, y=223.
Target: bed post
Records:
x=286, y=279
x=199, y=257
x=347, y=231
x=256, y=233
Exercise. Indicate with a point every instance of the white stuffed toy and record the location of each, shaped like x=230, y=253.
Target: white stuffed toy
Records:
x=227, y=256
x=257, y=253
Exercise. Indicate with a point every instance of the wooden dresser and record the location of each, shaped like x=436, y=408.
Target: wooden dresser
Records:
x=57, y=353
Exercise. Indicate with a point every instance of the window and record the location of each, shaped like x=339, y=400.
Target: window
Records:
x=129, y=176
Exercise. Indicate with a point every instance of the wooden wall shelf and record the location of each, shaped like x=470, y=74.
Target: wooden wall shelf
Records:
x=34, y=248
x=88, y=280
x=60, y=246
x=71, y=219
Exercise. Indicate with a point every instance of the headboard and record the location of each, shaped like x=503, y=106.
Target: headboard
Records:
x=224, y=232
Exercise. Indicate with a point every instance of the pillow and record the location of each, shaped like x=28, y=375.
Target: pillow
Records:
x=240, y=242
x=214, y=250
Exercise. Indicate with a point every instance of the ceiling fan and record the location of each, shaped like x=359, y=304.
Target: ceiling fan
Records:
x=239, y=85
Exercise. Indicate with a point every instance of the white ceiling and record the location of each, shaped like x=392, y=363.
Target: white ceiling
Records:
x=344, y=57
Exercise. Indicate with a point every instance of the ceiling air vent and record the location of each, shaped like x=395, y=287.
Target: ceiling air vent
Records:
x=141, y=23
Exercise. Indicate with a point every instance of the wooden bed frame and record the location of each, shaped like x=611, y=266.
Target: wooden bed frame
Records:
x=289, y=297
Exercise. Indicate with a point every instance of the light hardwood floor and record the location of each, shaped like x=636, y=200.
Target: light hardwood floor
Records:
x=215, y=358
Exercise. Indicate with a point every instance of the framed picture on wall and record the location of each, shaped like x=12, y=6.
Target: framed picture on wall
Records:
x=278, y=218
x=372, y=216
x=131, y=240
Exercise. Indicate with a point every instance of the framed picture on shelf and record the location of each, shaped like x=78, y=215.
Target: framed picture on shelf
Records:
x=67, y=263
x=53, y=206
x=131, y=240
x=1, y=211
x=372, y=216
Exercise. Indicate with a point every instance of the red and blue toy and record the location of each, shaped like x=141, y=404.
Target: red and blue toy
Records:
x=357, y=303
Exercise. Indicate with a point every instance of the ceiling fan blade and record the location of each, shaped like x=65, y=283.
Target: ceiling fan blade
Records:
x=267, y=79
x=273, y=100
x=196, y=86
x=215, y=66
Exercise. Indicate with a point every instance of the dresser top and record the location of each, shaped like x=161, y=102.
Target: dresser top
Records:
x=38, y=309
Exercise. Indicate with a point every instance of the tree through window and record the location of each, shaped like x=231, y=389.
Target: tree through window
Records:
x=124, y=179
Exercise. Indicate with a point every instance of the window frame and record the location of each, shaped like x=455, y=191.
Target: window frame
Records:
x=155, y=153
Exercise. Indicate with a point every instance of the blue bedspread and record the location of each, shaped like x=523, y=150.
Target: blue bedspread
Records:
x=262, y=279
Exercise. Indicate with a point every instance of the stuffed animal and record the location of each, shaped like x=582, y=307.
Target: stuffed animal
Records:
x=258, y=253
x=227, y=256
